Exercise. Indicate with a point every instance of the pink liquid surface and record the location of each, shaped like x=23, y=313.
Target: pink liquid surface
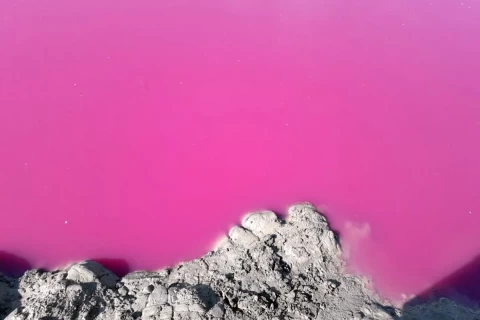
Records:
x=142, y=130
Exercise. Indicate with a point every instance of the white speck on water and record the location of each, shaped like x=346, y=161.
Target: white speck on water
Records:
x=469, y=212
x=286, y=124
x=26, y=164
x=108, y=57
x=181, y=82
x=75, y=84
x=66, y=222
x=81, y=95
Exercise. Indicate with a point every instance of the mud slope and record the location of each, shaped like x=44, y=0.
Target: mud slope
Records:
x=265, y=269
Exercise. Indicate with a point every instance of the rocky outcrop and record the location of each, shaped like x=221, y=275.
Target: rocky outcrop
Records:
x=266, y=268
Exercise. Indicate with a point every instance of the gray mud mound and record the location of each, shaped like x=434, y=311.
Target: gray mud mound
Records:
x=265, y=269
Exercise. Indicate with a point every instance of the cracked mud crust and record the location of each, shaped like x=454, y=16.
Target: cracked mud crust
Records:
x=266, y=268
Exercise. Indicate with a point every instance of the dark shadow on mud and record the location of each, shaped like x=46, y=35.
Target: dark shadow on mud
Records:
x=462, y=286
x=118, y=266
x=13, y=265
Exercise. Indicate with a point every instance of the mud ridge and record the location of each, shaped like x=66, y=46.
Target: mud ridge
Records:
x=267, y=268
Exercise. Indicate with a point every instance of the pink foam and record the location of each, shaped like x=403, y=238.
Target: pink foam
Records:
x=142, y=130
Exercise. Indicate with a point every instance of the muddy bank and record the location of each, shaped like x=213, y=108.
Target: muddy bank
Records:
x=265, y=269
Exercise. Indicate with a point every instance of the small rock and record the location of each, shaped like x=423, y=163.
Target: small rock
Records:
x=123, y=291
x=90, y=271
x=159, y=296
x=261, y=223
x=151, y=313
x=217, y=311
x=242, y=237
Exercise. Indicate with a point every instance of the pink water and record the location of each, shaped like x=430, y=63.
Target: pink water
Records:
x=142, y=130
